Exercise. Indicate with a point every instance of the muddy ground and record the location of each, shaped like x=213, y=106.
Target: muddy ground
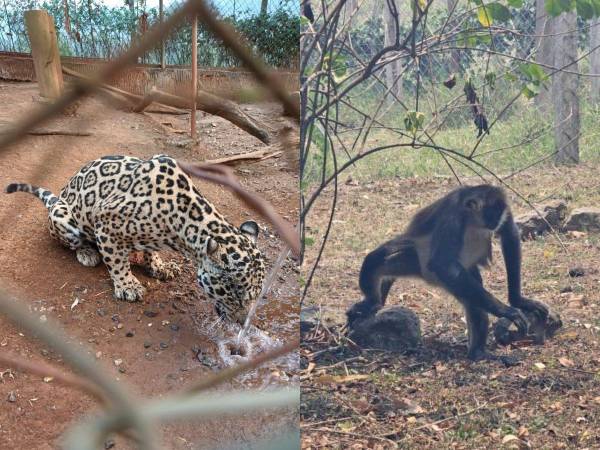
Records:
x=160, y=341
x=435, y=398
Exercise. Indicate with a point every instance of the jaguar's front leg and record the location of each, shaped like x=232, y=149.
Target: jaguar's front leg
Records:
x=157, y=268
x=116, y=257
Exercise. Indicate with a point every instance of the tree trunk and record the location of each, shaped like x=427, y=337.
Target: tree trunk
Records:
x=454, y=62
x=264, y=6
x=564, y=89
x=392, y=69
x=595, y=60
x=544, y=54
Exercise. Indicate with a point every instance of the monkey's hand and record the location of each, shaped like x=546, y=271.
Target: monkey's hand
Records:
x=516, y=316
x=534, y=306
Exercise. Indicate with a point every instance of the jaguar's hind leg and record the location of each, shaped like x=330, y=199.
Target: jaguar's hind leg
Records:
x=88, y=256
x=158, y=268
x=115, y=255
x=63, y=226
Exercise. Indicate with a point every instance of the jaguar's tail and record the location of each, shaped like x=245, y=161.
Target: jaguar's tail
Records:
x=44, y=195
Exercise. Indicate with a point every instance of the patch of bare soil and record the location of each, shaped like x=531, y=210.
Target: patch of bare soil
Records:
x=160, y=343
x=434, y=397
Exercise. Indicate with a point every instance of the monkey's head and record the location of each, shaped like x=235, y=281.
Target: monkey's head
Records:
x=487, y=206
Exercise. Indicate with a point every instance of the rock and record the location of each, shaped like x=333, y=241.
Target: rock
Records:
x=149, y=313
x=584, y=219
x=147, y=344
x=11, y=397
x=394, y=328
x=130, y=333
x=575, y=272
x=164, y=345
x=308, y=318
x=109, y=444
x=174, y=327
x=505, y=332
x=532, y=225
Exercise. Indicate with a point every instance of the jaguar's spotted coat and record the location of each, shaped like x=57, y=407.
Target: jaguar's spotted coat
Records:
x=118, y=204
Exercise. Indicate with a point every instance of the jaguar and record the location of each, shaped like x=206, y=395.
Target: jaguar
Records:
x=116, y=205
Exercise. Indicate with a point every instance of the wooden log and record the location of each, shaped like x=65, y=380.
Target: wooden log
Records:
x=134, y=98
x=259, y=155
x=217, y=106
x=44, y=50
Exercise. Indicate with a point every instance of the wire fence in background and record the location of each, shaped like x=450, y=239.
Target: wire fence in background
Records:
x=106, y=28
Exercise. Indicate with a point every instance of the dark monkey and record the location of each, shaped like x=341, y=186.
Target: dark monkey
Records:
x=445, y=244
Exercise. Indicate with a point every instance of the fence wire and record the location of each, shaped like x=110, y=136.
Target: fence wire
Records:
x=100, y=29
x=123, y=412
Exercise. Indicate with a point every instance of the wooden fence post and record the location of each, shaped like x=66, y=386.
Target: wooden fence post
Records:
x=44, y=50
x=194, y=73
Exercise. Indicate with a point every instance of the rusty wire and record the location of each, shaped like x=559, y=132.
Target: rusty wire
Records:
x=125, y=412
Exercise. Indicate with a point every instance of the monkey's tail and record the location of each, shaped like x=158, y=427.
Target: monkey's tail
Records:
x=47, y=197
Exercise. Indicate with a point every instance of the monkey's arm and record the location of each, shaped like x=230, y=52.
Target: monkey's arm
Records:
x=444, y=262
x=511, y=251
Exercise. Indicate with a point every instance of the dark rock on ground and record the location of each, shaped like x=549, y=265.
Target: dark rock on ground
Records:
x=394, y=328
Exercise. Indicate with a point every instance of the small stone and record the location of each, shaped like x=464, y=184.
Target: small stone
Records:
x=148, y=356
x=118, y=362
x=101, y=312
x=122, y=369
x=149, y=313
x=109, y=444
x=164, y=345
x=44, y=352
x=147, y=344
x=98, y=355
x=130, y=333
x=119, y=326
x=576, y=272
x=174, y=327
x=11, y=397
x=115, y=318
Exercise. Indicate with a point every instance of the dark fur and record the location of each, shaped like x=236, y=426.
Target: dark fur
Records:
x=445, y=244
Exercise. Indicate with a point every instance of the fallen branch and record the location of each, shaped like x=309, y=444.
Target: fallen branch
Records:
x=259, y=155
x=52, y=133
x=216, y=106
x=133, y=98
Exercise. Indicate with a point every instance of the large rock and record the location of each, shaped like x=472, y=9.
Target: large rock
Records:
x=394, y=328
x=506, y=333
x=584, y=219
x=532, y=225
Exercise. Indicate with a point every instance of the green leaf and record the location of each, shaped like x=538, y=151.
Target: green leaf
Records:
x=484, y=16
x=490, y=79
x=413, y=121
x=533, y=72
x=585, y=9
x=530, y=90
x=515, y=3
x=557, y=7
x=498, y=12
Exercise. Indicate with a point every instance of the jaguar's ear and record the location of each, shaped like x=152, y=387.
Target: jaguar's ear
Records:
x=250, y=229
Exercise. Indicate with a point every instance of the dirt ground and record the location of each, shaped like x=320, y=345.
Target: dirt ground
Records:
x=160, y=340
x=435, y=398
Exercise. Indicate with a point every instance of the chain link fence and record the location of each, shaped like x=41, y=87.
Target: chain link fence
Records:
x=105, y=28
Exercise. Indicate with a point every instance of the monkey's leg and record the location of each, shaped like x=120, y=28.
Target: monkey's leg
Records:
x=396, y=258
x=446, y=246
x=511, y=250
x=478, y=323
